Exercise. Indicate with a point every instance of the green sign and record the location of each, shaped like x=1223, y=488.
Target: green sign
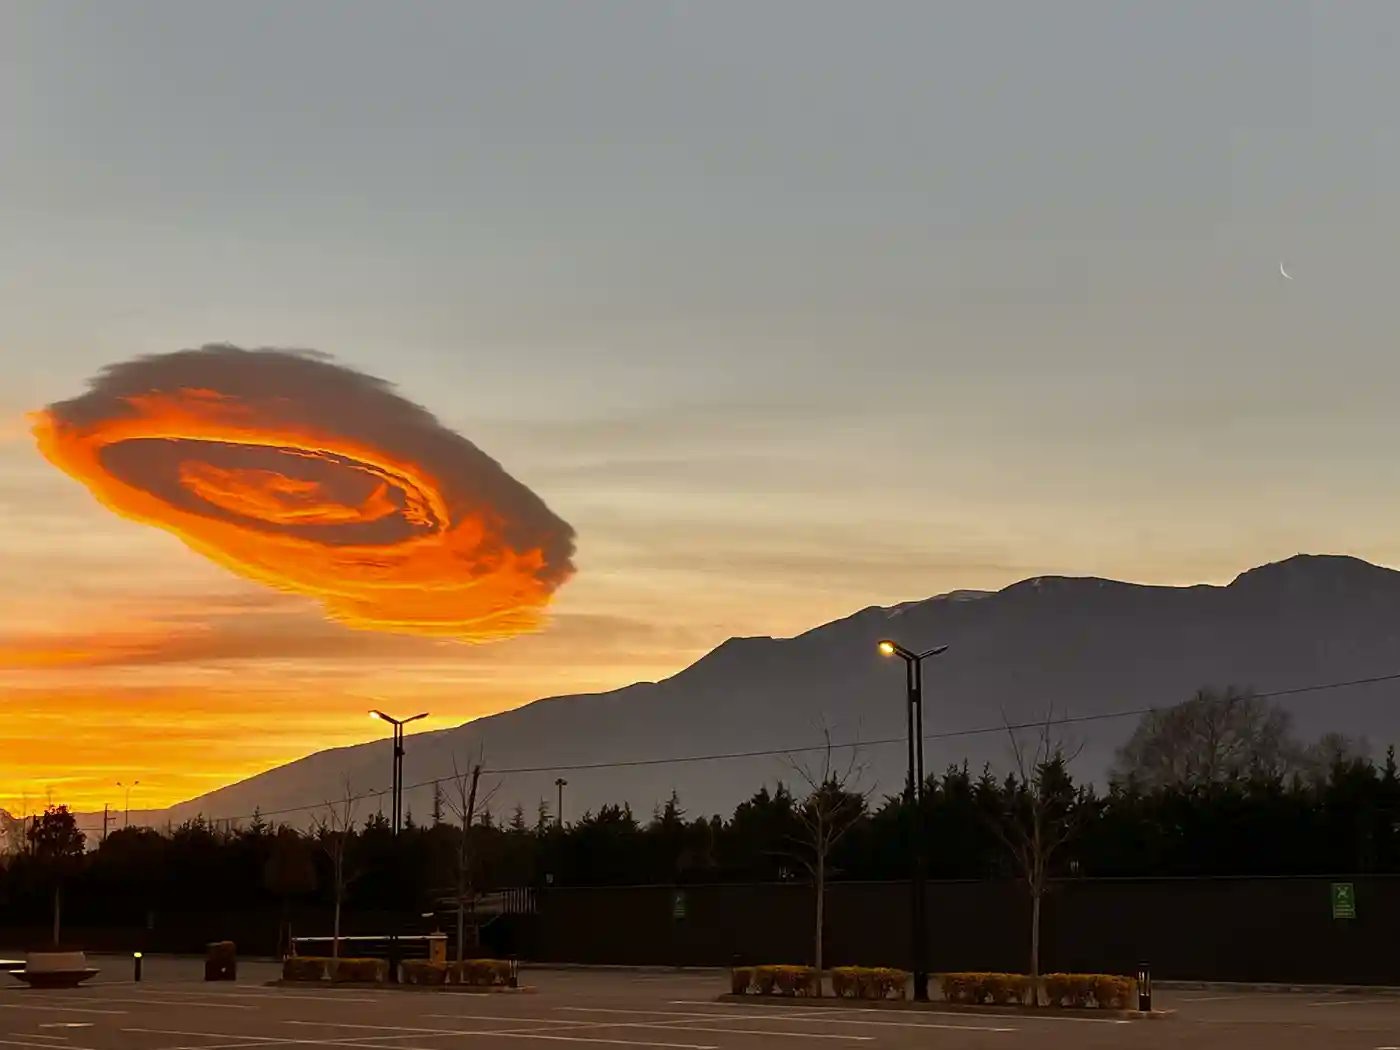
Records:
x=678, y=905
x=1343, y=900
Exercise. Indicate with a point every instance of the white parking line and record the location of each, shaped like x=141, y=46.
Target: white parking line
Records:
x=1211, y=998
x=46, y=1046
x=685, y=1025
x=818, y=1016
x=1348, y=1002
x=57, y=1009
x=147, y=1001
x=824, y=1011
x=328, y=995
x=552, y=1036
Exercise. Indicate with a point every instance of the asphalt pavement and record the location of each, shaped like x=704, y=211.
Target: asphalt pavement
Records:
x=172, y=1009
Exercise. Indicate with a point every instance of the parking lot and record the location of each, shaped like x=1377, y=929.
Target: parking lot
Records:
x=171, y=1009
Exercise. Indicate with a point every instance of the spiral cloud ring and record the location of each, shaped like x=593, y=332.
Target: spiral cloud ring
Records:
x=316, y=479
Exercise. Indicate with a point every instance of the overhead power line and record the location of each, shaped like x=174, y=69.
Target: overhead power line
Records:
x=721, y=756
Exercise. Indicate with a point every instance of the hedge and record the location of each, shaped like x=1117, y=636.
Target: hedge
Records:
x=998, y=988
x=318, y=968
x=423, y=971
x=359, y=970
x=779, y=980
x=1107, y=991
x=1075, y=990
x=865, y=982
x=480, y=971
x=304, y=968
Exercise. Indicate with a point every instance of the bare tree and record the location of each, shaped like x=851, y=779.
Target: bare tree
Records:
x=832, y=806
x=1038, y=811
x=462, y=798
x=333, y=830
x=1212, y=738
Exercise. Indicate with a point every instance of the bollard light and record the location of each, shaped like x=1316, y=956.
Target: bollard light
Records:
x=1144, y=983
x=136, y=966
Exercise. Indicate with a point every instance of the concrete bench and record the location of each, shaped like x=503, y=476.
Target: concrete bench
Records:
x=54, y=970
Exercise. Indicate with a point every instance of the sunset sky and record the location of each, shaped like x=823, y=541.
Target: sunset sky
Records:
x=787, y=308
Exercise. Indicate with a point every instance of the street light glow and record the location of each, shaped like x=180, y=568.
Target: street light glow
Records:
x=887, y=648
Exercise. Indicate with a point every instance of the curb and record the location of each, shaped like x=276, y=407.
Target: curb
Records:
x=938, y=1006
x=386, y=986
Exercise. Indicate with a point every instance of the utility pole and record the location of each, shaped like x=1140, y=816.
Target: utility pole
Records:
x=561, y=784
x=105, y=821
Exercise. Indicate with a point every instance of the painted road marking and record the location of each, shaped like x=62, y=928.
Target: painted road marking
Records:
x=1211, y=998
x=684, y=1025
x=820, y=1016
x=838, y=1010
x=57, y=1009
x=146, y=1001
x=553, y=1036
x=328, y=996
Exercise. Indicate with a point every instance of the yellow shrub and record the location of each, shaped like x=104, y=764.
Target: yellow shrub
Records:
x=1069, y=989
x=1112, y=992
x=423, y=971
x=481, y=972
x=304, y=968
x=786, y=980
x=359, y=970
x=890, y=982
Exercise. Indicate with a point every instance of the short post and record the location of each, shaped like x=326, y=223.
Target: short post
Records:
x=136, y=966
x=514, y=979
x=1144, y=983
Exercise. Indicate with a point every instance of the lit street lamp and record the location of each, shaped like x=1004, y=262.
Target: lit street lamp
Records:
x=914, y=797
x=398, y=724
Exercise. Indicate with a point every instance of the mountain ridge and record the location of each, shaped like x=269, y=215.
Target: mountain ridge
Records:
x=1075, y=644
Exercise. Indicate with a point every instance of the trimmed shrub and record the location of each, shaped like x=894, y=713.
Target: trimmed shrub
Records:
x=304, y=968
x=1002, y=989
x=423, y=971
x=1112, y=992
x=997, y=988
x=481, y=972
x=787, y=980
x=1074, y=990
x=1078, y=990
x=740, y=978
x=862, y=982
x=374, y=971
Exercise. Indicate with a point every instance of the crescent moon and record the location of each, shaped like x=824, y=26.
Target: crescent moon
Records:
x=1284, y=272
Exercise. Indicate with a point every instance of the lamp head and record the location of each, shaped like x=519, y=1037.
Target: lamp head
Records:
x=887, y=648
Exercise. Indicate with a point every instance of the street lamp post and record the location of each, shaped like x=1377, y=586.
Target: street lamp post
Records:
x=126, y=821
x=561, y=784
x=397, y=782
x=914, y=796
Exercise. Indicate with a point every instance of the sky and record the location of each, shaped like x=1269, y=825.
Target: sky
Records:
x=787, y=308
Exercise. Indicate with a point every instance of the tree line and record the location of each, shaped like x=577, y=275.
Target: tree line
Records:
x=1219, y=785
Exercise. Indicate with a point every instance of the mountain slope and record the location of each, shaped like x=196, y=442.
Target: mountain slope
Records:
x=1079, y=646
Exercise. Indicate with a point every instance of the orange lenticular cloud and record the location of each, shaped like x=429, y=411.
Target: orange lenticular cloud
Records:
x=319, y=480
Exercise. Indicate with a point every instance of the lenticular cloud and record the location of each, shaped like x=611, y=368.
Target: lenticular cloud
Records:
x=316, y=479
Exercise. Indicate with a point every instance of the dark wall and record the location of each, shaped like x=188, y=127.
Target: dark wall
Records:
x=1209, y=929
x=1220, y=929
